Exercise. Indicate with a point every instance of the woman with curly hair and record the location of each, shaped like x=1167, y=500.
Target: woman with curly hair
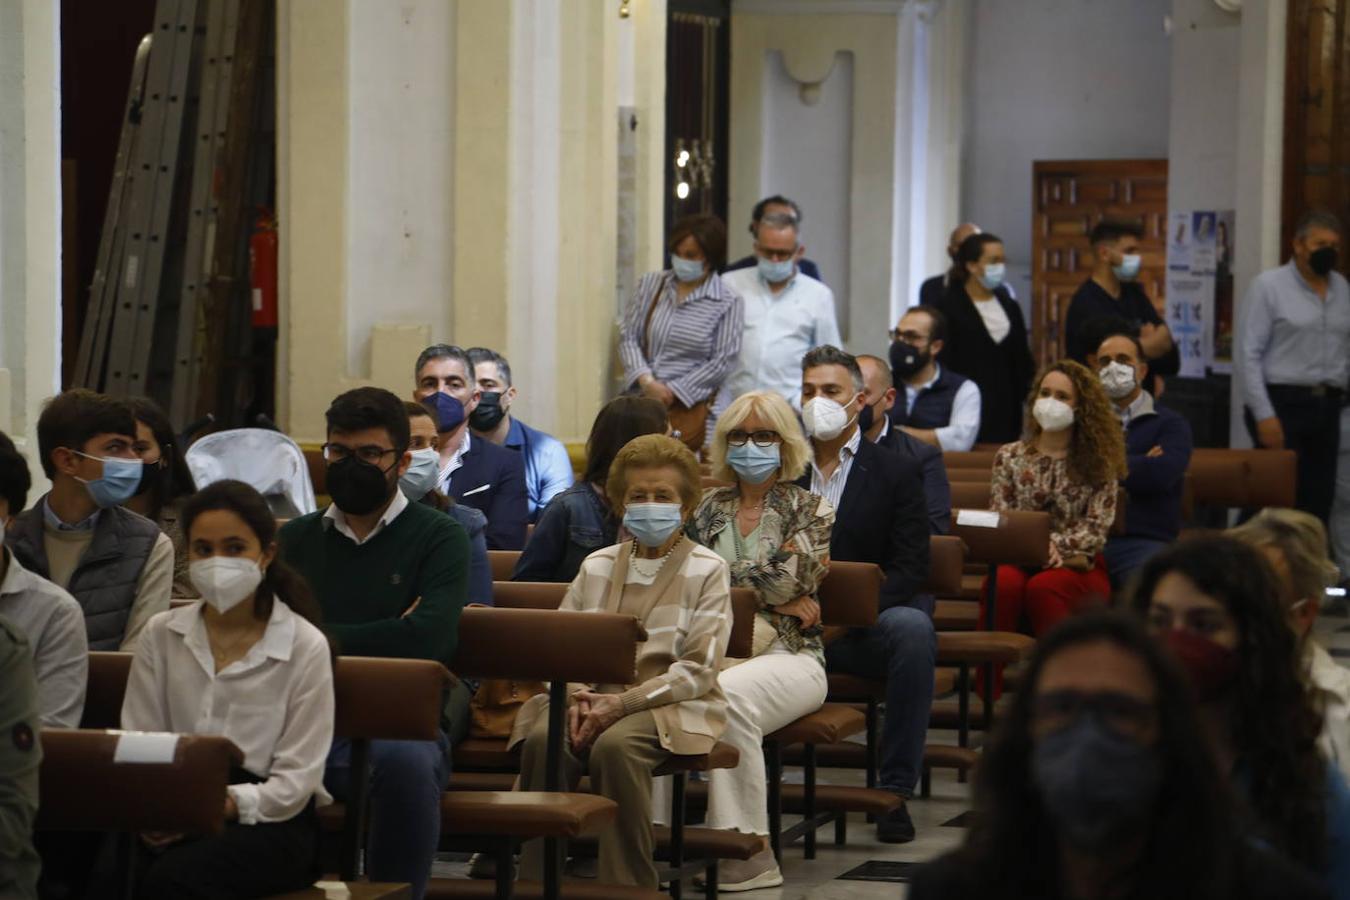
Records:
x=1067, y=464
x=1216, y=604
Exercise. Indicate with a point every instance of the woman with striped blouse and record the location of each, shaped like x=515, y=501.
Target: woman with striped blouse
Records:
x=681, y=334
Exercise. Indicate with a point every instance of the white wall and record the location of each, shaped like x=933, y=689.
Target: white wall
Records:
x=1056, y=79
x=1202, y=149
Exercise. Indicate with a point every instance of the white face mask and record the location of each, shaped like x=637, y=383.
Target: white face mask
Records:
x=1118, y=380
x=824, y=418
x=225, y=581
x=422, y=475
x=1052, y=414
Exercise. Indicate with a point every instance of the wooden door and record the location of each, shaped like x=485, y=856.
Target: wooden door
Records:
x=1069, y=198
x=698, y=85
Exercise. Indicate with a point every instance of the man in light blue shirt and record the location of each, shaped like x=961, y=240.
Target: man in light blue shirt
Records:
x=786, y=315
x=1294, y=357
x=548, y=469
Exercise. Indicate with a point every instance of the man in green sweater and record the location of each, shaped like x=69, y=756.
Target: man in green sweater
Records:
x=392, y=578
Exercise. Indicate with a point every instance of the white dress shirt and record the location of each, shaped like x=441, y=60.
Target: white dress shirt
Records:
x=964, y=425
x=455, y=463
x=53, y=622
x=779, y=330
x=832, y=488
x=336, y=518
x=275, y=704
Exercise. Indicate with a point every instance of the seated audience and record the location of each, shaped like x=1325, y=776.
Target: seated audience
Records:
x=47, y=616
x=116, y=564
x=20, y=754
x=775, y=536
x=681, y=333
x=941, y=408
x=548, y=469
x=477, y=473
x=933, y=289
x=786, y=314
x=580, y=520
x=1068, y=466
x=876, y=427
x=166, y=483
x=1099, y=782
x=681, y=593
x=1157, y=454
x=419, y=486
x=251, y=653
x=776, y=205
x=986, y=337
x=879, y=518
x=1295, y=545
x=1215, y=603
x=392, y=578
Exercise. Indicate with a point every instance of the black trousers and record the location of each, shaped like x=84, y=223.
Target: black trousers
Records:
x=1312, y=428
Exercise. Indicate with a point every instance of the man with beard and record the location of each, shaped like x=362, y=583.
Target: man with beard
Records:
x=939, y=406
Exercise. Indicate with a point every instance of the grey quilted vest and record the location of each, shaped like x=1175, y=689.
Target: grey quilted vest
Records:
x=104, y=581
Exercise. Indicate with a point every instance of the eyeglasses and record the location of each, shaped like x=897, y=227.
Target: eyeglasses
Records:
x=370, y=454
x=1125, y=715
x=761, y=438
x=909, y=337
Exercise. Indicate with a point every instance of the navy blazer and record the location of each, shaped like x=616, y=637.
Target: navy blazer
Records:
x=491, y=479
x=937, y=490
x=882, y=519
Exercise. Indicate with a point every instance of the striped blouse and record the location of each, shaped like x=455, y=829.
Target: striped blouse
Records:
x=694, y=342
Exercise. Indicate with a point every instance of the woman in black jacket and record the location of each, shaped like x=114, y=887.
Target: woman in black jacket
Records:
x=987, y=337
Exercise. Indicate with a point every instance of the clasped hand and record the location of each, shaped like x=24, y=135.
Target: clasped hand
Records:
x=588, y=717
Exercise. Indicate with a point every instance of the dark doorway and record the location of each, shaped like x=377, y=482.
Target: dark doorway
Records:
x=698, y=72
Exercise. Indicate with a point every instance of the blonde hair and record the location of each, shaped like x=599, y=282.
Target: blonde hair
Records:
x=1302, y=541
x=654, y=451
x=794, y=453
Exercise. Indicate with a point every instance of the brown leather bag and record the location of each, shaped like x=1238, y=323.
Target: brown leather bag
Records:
x=495, y=704
x=690, y=421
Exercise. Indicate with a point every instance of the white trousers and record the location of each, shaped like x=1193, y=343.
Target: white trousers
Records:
x=763, y=694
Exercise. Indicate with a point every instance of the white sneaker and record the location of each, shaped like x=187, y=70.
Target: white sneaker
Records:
x=759, y=871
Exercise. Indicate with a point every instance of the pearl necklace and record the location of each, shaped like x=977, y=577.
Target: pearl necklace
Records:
x=641, y=564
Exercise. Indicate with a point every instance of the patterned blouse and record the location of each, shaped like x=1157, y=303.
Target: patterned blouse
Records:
x=1080, y=514
x=789, y=560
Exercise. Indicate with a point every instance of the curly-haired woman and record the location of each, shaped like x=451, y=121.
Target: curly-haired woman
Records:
x=1067, y=465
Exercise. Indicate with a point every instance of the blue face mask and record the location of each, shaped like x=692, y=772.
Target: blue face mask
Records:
x=776, y=271
x=687, y=270
x=120, y=480
x=653, y=523
x=446, y=410
x=993, y=276
x=1128, y=270
x=422, y=474
x=752, y=463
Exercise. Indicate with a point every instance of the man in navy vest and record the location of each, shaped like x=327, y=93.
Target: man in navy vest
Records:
x=1157, y=451
x=939, y=407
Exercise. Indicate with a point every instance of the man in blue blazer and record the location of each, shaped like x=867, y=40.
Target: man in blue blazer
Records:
x=880, y=518
x=474, y=471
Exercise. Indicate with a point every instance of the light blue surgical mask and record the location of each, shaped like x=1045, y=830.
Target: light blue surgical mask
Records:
x=776, y=271
x=422, y=474
x=653, y=523
x=119, y=482
x=1128, y=270
x=753, y=463
x=687, y=270
x=993, y=276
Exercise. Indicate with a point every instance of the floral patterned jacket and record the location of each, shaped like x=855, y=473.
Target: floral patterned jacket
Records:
x=1080, y=514
x=789, y=560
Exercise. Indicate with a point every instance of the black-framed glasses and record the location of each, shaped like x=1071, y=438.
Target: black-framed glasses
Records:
x=371, y=454
x=738, y=438
x=909, y=337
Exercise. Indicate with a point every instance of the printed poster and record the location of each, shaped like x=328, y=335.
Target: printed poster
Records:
x=1199, y=245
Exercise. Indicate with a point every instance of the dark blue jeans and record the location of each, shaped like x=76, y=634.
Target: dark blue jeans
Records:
x=406, y=782
x=900, y=649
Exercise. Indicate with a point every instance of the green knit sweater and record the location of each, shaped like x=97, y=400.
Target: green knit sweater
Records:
x=365, y=589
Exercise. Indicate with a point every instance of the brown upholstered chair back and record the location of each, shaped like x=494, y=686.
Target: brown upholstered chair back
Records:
x=1219, y=480
x=848, y=595
x=388, y=699
x=744, y=608
x=527, y=594
x=1272, y=477
x=969, y=459
x=503, y=564
x=82, y=788
x=1021, y=539
x=548, y=645
x=108, y=672
x=946, y=561
x=970, y=494
x=967, y=474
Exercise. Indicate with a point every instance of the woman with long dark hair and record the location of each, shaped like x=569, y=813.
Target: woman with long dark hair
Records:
x=1099, y=784
x=248, y=662
x=165, y=483
x=1215, y=602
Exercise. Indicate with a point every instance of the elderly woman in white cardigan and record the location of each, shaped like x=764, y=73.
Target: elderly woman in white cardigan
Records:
x=681, y=593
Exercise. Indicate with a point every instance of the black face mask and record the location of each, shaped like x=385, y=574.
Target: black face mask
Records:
x=150, y=476
x=1322, y=261
x=866, y=419
x=906, y=359
x=489, y=412
x=358, y=488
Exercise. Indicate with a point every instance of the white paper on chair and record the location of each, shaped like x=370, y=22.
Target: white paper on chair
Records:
x=977, y=518
x=145, y=747
x=333, y=890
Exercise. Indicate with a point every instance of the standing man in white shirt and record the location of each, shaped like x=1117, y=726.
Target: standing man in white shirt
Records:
x=939, y=407
x=786, y=315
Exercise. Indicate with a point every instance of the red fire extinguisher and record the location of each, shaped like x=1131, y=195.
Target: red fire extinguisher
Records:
x=262, y=260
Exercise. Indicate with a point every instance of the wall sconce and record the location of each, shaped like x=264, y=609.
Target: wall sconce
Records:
x=624, y=11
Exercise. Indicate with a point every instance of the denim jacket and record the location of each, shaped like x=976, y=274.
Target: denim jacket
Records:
x=572, y=526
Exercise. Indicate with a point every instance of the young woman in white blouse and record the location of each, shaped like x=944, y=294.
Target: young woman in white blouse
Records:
x=247, y=662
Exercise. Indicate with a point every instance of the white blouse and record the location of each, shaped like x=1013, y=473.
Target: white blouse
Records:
x=995, y=319
x=275, y=704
